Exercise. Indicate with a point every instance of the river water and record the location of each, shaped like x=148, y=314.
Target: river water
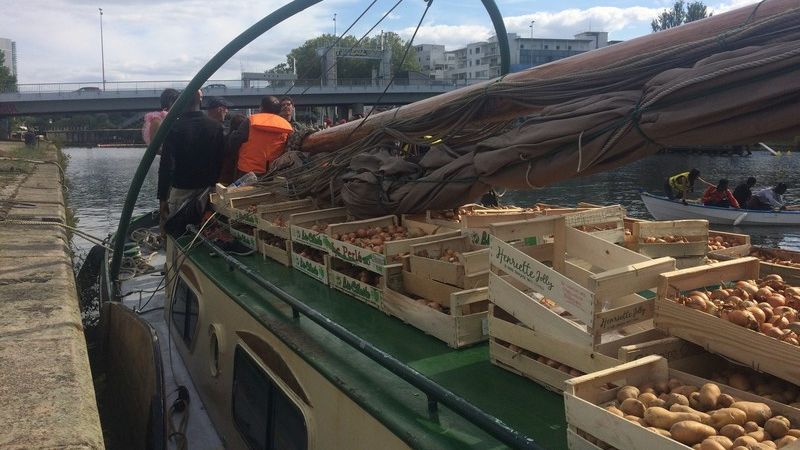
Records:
x=100, y=178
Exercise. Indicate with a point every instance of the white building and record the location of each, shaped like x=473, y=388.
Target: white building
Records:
x=9, y=48
x=432, y=60
x=481, y=60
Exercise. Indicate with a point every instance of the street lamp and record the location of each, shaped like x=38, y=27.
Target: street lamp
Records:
x=334, y=24
x=531, y=25
x=102, y=50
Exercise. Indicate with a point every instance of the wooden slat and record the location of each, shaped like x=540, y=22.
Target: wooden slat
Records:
x=424, y=287
x=598, y=252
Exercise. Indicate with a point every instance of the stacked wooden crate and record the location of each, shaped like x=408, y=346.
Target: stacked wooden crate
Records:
x=310, y=241
x=549, y=322
x=785, y=263
x=738, y=343
x=592, y=425
x=474, y=220
x=273, y=237
x=684, y=240
x=240, y=208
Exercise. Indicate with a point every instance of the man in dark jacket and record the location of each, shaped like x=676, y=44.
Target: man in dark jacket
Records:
x=743, y=192
x=190, y=161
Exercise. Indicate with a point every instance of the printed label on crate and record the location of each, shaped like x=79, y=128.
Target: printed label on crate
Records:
x=357, y=289
x=481, y=237
x=357, y=255
x=314, y=239
x=544, y=280
x=244, y=216
x=621, y=317
x=244, y=238
x=310, y=267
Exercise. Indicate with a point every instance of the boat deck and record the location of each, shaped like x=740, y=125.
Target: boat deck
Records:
x=520, y=403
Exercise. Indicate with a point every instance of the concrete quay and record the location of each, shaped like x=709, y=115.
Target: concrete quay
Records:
x=46, y=386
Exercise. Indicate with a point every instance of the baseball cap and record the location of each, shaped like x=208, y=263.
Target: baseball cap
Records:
x=215, y=102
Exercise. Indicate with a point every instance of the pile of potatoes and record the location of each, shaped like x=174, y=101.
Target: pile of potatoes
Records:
x=448, y=255
x=767, y=258
x=703, y=417
x=718, y=243
x=767, y=386
x=373, y=238
x=669, y=239
x=769, y=306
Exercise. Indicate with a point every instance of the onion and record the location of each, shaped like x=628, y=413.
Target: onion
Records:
x=699, y=294
x=758, y=314
x=747, y=287
x=763, y=293
x=776, y=300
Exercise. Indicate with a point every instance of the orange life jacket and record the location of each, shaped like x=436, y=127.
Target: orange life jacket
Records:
x=265, y=142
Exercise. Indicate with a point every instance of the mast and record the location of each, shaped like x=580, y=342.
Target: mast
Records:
x=503, y=109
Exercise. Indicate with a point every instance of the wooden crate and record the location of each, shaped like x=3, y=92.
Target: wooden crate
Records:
x=746, y=346
x=607, y=222
x=247, y=239
x=462, y=324
x=367, y=293
x=471, y=270
x=276, y=218
x=300, y=228
x=281, y=253
x=597, y=287
x=735, y=242
x=317, y=271
x=586, y=396
x=790, y=274
x=392, y=250
x=696, y=231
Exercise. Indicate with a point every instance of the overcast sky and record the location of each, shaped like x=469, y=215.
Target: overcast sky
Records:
x=59, y=40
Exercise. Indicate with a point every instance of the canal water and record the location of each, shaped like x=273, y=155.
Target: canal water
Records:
x=100, y=178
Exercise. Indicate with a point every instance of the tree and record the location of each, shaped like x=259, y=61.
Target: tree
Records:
x=680, y=14
x=8, y=82
x=307, y=57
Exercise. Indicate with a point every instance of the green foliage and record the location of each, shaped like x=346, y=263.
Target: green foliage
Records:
x=307, y=57
x=8, y=82
x=679, y=14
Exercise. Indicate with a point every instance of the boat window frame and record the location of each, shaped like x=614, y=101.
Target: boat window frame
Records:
x=194, y=333
x=277, y=386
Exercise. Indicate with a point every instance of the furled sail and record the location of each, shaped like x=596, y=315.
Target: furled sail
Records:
x=732, y=78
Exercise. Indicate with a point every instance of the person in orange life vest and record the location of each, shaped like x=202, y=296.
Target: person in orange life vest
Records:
x=720, y=195
x=260, y=139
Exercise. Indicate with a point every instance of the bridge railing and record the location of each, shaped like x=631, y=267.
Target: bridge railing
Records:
x=220, y=86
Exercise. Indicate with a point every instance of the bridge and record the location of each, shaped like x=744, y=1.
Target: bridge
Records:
x=61, y=98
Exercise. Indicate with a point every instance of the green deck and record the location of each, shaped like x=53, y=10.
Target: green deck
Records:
x=515, y=400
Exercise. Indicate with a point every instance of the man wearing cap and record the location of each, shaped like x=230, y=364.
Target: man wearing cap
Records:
x=218, y=108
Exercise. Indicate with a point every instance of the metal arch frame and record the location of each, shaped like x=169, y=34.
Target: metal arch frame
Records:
x=205, y=73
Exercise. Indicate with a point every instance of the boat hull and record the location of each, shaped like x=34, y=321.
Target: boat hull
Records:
x=664, y=209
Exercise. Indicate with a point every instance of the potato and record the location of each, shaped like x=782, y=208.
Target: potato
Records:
x=660, y=431
x=616, y=411
x=707, y=399
x=794, y=432
x=732, y=431
x=777, y=426
x=689, y=432
x=704, y=418
x=649, y=399
x=749, y=427
x=784, y=441
x=727, y=416
x=661, y=418
x=684, y=390
x=635, y=419
x=756, y=412
x=632, y=407
x=745, y=441
x=725, y=401
x=627, y=392
x=716, y=443
x=676, y=399
x=758, y=435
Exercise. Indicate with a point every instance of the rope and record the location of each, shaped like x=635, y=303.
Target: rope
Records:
x=93, y=239
x=34, y=161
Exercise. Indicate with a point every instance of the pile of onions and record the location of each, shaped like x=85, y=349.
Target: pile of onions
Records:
x=374, y=238
x=310, y=253
x=547, y=361
x=280, y=221
x=600, y=227
x=769, y=306
x=448, y=255
x=319, y=227
x=362, y=275
x=717, y=243
x=766, y=258
x=275, y=241
x=669, y=239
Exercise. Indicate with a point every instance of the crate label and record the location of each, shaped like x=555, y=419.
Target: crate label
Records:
x=357, y=255
x=315, y=239
x=309, y=267
x=244, y=238
x=357, y=289
x=243, y=216
x=621, y=317
x=544, y=280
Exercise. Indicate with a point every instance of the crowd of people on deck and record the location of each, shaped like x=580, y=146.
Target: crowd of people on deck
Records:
x=197, y=152
x=679, y=185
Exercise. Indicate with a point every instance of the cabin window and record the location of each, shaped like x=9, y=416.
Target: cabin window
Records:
x=184, y=311
x=265, y=417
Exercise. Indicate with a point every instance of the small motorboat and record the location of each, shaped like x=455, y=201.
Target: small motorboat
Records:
x=663, y=208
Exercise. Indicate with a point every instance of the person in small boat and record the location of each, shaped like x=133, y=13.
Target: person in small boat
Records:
x=743, y=192
x=190, y=162
x=678, y=185
x=769, y=198
x=260, y=139
x=720, y=195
